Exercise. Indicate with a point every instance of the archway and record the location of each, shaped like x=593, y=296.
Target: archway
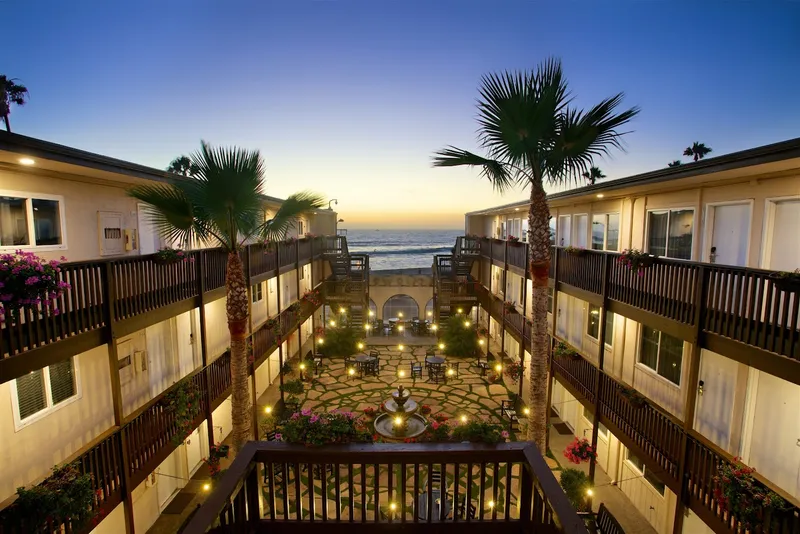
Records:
x=397, y=304
x=429, y=310
x=373, y=308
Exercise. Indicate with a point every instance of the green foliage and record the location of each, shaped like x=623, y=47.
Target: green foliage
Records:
x=66, y=496
x=459, y=340
x=738, y=492
x=11, y=92
x=184, y=401
x=479, y=432
x=341, y=341
x=575, y=484
x=293, y=387
x=286, y=369
x=323, y=428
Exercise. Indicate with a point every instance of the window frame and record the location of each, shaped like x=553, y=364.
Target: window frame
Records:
x=589, y=321
x=643, y=473
x=605, y=230
x=19, y=424
x=649, y=369
x=669, y=215
x=29, y=197
x=257, y=293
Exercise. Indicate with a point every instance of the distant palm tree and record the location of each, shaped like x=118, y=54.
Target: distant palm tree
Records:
x=11, y=93
x=184, y=166
x=593, y=174
x=697, y=151
x=531, y=135
x=222, y=204
x=675, y=163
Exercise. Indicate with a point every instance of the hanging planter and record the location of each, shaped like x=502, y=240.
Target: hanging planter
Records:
x=168, y=256
x=514, y=370
x=26, y=280
x=575, y=251
x=562, y=350
x=636, y=260
x=184, y=402
x=312, y=297
x=215, y=454
x=580, y=450
x=631, y=397
x=738, y=493
x=786, y=281
x=509, y=307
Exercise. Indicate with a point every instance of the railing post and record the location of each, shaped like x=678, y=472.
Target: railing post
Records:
x=526, y=496
x=110, y=291
x=505, y=297
x=200, y=266
x=248, y=262
x=699, y=297
x=524, y=321
x=601, y=356
x=553, y=259
x=278, y=317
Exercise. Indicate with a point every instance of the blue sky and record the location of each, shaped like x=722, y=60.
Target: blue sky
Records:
x=351, y=98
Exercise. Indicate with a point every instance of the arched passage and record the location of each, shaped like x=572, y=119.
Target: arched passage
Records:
x=397, y=304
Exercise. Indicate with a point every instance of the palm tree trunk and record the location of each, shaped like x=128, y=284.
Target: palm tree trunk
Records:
x=236, y=307
x=539, y=262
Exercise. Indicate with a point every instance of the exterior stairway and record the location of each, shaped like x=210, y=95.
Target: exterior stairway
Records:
x=454, y=286
x=348, y=285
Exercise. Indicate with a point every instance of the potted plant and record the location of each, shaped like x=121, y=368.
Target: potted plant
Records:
x=738, y=493
x=215, y=454
x=786, y=280
x=184, y=403
x=576, y=485
x=510, y=307
x=168, y=255
x=580, y=450
x=315, y=429
x=312, y=297
x=514, y=370
x=28, y=280
x=294, y=307
x=562, y=350
x=513, y=238
x=574, y=251
x=631, y=397
x=273, y=324
x=636, y=260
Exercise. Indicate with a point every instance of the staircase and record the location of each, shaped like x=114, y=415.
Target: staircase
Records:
x=454, y=285
x=348, y=285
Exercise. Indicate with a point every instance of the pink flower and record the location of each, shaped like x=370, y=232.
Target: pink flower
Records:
x=504, y=434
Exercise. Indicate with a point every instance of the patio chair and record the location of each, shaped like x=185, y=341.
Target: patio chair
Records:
x=429, y=353
x=436, y=373
x=277, y=469
x=509, y=411
x=453, y=367
x=374, y=354
x=464, y=507
x=481, y=364
x=416, y=370
x=371, y=368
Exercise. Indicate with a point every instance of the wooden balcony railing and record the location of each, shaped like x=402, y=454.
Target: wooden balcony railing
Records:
x=277, y=487
x=117, y=290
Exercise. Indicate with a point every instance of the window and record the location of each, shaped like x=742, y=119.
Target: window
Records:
x=524, y=235
x=670, y=233
x=550, y=293
x=258, y=292
x=593, y=328
x=552, y=231
x=646, y=473
x=610, y=329
x=42, y=391
x=605, y=231
x=31, y=221
x=662, y=353
x=601, y=429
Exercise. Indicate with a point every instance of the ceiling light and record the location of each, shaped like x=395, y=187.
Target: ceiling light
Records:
x=516, y=209
x=26, y=161
x=600, y=195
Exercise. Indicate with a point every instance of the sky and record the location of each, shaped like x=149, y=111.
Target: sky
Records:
x=351, y=98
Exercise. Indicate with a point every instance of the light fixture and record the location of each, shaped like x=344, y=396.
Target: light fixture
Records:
x=371, y=313
x=360, y=346
x=491, y=504
x=498, y=367
x=460, y=310
x=26, y=161
x=480, y=342
x=341, y=310
x=400, y=347
x=516, y=209
x=206, y=487
x=434, y=327
x=589, y=492
x=267, y=410
x=430, y=314
x=450, y=372
x=351, y=371
x=398, y=420
x=401, y=373
x=392, y=506
x=302, y=367
x=463, y=418
x=466, y=324
x=399, y=314
x=600, y=195
x=332, y=322
x=367, y=327
x=400, y=328
x=320, y=341
x=526, y=411
x=441, y=346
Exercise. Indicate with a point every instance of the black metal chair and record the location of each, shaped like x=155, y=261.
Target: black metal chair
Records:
x=277, y=469
x=509, y=411
x=481, y=364
x=436, y=373
x=416, y=370
x=374, y=354
x=463, y=508
x=429, y=353
x=370, y=368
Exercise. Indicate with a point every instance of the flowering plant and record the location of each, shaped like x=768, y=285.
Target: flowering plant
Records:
x=436, y=431
x=319, y=331
x=169, y=255
x=580, y=450
x=479, y=432
x=215, y=454
x=739, y=494
x=273, y=324
x=65, y=497
x=635, y=260
x=440, y=418
x=510, y=307
x=289, y=240
x=425, y=409
x=513, y=238
x=184, y=402
x=28, y=280
x=514, y=371
x=312, y=296
x=371, y=412
x=324, y=428
x=309, y=235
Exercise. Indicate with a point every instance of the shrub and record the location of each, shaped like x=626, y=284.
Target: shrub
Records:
x=459, y=340
x=341, y=341
x=738, y=492
x=323, y=428
x=28, y=280
x=575, y=484
x=293, y=388
x=184, y=401
x=66, y=496
x=479, y=432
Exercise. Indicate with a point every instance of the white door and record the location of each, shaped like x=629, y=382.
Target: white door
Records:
x=170, y=478
x=775, y=436
x=148, y=238
x=581, y=223
x=563, y=230
x=783, y=250
x=555, y=398
x=715, y=406
x=194, y=452
x=730, y=234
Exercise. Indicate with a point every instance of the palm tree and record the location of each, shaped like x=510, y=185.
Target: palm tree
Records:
x=11, y=93
x=531, y=135
x=697, y=151
x=593, y=174
x=222, y=204
x=674, y=163
x=183, y=165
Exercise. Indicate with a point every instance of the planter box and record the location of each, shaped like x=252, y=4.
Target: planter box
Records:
x=634, y=402
x=786, y=283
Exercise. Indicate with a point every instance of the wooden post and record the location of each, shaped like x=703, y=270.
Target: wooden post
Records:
x=126, y=489
x=601, y=356
x=505, y=289
x=524, y=320
x=554, y=313
x=248, y=263
x=201, y=290
x=701, y=288
x=313, y=287
x=278, y=317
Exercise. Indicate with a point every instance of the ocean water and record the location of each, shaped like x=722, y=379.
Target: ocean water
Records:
x=401, y=249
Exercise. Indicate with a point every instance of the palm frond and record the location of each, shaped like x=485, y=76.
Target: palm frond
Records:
x=294, y=207
x=498, y=173
x=674, y=163
x=688, y=152
x=170, y=212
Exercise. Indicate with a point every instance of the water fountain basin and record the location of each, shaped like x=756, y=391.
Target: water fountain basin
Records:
x=415, y=425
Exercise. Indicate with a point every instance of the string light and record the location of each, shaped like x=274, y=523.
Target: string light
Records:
x=341, y=310
x=441, y=346
x=466, y=324
x=302, y=367
x=320, y=341
x=332, y=322
x=480, y=342
x=498, y=367
x=434, y=327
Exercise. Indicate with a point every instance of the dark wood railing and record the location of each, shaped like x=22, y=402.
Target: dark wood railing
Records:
x=272, y=487
x=135, y=286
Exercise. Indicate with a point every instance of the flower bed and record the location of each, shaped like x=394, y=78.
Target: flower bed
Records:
x=28, y=280
x=323, y=428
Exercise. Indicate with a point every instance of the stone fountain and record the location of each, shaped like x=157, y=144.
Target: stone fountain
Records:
x=400, y=420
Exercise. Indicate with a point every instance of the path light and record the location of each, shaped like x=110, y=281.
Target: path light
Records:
x=351, y=371
x=371, y=313
x=267, y=410
x=480, y=342
x=400, y=347
x=401, y=373
x=491, y=504
x=320, y=341
x=589, y=492
x=302, y=367
x=392, y=506
x=498, y=367
x=450, y=372
x=526, y=411
x=399, y=314
x=332, y=323
x=441, y=346
x=430, y=314
x=206, y=487
x=400, y=328
x=461, y=310
x=367, y=327
x=434, y=327
x=463, y=418
x=360, y=346
x=466, y=324
x=342, y=310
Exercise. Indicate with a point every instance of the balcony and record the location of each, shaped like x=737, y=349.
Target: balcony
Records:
x=277, y=487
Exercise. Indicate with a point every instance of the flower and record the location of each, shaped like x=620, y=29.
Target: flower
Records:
x=504, y=434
